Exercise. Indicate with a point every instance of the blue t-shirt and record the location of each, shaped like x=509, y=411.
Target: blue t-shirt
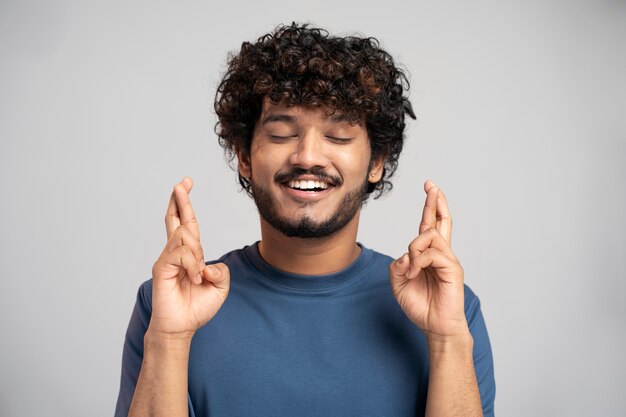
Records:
x=298, y=345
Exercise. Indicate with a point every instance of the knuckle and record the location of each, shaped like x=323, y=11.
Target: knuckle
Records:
x=414, y=249
x=184, y=252
x=223, y=268
x=182, y=233
x=175, y=233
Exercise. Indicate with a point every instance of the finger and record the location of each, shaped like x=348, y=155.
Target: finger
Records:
x=432, y=257
x=431, y=238
x=398, y=269
x=185, y=210
x=429, y=214
x=400, y=266
x=172, y=215
x=172, y=218
x=444, y=220
x=181, y=257
x=184, y=237
x=217, y=274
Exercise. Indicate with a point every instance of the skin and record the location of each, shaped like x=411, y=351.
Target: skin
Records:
x=427, y=281
x=296, y=137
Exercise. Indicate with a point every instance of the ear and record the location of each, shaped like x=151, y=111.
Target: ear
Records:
x=376, y=170
x=243, y=163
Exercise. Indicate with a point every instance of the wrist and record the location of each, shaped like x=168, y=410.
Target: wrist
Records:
x=160, y=341
x=461, y=343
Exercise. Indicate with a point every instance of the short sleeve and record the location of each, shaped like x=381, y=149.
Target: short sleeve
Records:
x=483, y=358
x=132, y=355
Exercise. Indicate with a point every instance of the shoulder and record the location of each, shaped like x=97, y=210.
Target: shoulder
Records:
x=378, y=259
x=235, y=257
x=472, y=303
x=144, y=296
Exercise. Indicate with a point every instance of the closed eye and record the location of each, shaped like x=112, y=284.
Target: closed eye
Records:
x=338, y=139
x=278, y=137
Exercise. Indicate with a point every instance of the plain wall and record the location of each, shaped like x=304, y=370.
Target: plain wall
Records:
x=105, y=105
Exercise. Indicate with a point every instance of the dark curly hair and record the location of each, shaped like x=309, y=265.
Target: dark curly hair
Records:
x=299, y=65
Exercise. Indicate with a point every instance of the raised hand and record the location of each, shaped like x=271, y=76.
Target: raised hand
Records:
x=186, y=293
x=427, y=281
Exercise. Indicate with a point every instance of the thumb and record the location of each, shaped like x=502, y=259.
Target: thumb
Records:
x=218, y=275
x=399, y=267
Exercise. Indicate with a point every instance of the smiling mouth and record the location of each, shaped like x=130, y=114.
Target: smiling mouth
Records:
x=303, y=182
x=308, y=185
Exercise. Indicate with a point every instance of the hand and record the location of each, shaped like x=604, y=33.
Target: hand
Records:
x=186, y=293
x=428, y=280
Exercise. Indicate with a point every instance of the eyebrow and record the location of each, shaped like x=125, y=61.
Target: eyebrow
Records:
x=344, y=118
x=278, y=118
x=335, y=118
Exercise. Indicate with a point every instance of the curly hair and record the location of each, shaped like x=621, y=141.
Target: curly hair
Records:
x=299, y=65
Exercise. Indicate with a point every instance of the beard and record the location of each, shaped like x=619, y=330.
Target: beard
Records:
x=305, y=227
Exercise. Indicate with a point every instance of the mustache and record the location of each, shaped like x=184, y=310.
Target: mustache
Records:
x=282, y=177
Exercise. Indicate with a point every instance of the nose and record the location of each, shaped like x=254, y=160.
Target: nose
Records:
x=310, y=151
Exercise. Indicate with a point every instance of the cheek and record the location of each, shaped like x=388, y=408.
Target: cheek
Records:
x=264, y=163
x=354, y=163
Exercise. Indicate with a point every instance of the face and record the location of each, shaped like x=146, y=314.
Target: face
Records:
x=308, y=171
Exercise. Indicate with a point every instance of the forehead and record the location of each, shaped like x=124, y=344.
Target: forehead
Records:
x=280, y=112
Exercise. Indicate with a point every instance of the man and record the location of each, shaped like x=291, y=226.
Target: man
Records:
x=308, y=322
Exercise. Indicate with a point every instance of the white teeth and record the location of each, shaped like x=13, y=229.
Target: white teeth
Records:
x=308, y=185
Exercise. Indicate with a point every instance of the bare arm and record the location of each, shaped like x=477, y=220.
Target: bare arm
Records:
x=427, y=282
x=452, y=386
x=186, y=294
x=162, y=386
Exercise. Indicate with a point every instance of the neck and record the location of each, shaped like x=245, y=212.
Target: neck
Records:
x=310, y=256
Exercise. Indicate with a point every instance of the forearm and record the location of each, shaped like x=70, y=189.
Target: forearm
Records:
x=452, y=386
x=162, y=385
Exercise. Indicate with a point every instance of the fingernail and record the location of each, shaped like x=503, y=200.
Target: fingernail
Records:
x=213, y=270
x=199, y=278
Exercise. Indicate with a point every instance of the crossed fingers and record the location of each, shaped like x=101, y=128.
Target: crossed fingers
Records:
x=183, y=234
x=432, y=246
x=429, y=249
x=180, y=211
x=436, y=213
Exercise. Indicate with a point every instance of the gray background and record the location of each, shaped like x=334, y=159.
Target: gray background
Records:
x=104, y=106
